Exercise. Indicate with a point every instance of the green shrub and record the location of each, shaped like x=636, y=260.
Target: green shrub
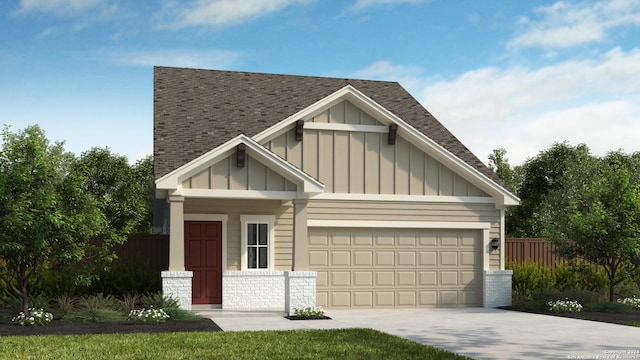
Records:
x=529, y=277
x=583, y=296
x=564, y=306
x=63, y=305
x=627, y=289
x=95, y=315
x=579, y=274
x=129, y=302
x=176, y=313
x=98, y=302
x=127, y=276
x=37, y=302
x=608, y=307
x=148, y=316
x=159, y=301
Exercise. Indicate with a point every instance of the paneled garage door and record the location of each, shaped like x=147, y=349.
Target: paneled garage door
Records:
x=396, y=268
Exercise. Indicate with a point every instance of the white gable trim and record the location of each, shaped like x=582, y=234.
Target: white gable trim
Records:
x=172, y=182
x=350, y=93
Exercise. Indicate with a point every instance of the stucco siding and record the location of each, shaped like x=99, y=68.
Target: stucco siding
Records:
x=283, y=242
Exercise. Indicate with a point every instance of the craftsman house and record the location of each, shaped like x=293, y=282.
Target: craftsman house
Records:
x=281, y=192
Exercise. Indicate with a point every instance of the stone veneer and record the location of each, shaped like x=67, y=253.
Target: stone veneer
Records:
x=178, y=285
x=299, y=291
x=258, y=289
x=497, y=288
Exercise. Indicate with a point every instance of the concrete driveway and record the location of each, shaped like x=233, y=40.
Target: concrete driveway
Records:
x=475, y=332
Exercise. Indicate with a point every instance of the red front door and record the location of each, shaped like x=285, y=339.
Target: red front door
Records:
x=203, y=256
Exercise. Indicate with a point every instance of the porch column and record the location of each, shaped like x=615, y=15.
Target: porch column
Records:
x=176, y=234
x=300, y=233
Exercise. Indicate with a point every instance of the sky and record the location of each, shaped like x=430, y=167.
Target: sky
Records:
x=518, y=75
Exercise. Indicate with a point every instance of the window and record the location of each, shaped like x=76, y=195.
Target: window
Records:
x=257, y=239
x=257, y=245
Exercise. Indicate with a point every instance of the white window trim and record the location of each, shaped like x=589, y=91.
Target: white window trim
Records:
x=248, y=219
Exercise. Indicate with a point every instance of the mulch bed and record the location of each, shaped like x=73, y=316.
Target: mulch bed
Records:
x=58, y=327
x=613, y=318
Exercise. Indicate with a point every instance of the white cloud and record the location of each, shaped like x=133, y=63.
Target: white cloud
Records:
x=217, y=13
x=61, y=8
x=205, y=59
x=361, y=5
x=525, y=109
x=567, y=24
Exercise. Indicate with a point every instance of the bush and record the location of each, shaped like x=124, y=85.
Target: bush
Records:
x=37, y=317
x=529, y=277
x=127, y=276
x=633, y=302
x=148, y=316
x=627, y=289
x=129, y=302
x=579, y=274
x=98, y=302
x=64, y=305
x=608, y=307
x=179, y=314
x=563, y=306
x=95, y=315
x=159, y=301
x=309, y=313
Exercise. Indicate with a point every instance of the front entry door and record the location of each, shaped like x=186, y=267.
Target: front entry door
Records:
x=203, y=256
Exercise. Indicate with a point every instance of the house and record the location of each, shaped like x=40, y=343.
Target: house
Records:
x=281, y=192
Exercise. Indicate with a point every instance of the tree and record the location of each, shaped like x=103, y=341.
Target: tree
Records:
x=46, y=216
x=542, y=175
x=124, y=192
x=499, y=163
x=598, y=217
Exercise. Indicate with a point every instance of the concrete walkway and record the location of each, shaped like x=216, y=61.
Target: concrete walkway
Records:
x=475, y=332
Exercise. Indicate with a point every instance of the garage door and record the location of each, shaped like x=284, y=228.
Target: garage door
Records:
x=396, y=268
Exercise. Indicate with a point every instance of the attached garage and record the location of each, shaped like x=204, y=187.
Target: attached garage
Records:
x=365, y=268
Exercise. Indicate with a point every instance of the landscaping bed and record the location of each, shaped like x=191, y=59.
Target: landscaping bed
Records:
x=608, y=317
x=60, y=327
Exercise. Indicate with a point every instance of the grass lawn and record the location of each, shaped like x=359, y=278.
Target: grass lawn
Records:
x=305, y=344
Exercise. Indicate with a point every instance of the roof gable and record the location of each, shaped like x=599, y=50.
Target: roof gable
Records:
x=198, y=110
x=172, y=181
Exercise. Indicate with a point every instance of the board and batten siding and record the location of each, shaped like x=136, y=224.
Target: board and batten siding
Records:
x=362, y=162
x=283, y=242
x=409, y=211
x=225, y=175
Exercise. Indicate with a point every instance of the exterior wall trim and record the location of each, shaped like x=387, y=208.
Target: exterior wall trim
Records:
x=237, y=194
x=399, y=224
x=405, y=198
x=347, y=127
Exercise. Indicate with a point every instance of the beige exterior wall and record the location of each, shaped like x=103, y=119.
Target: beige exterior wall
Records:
x=410, y=211
x=283, y=242
x=362, y=162
x=225, y=175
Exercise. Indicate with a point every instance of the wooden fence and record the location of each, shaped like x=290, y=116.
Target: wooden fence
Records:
x=531, y=249
x=152, y=249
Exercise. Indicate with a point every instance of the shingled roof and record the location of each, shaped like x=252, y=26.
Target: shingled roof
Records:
x=197, y=110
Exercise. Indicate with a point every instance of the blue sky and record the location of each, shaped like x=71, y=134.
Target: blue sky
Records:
x=498, y=73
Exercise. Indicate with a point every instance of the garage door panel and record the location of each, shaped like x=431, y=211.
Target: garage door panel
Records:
x=396, y=268
x=406, y=258
x=363, y=278
x=363, y=258
x=340, y=258
x=406, y=278
x=363, y=299
x=385, y=278
x=340, y=278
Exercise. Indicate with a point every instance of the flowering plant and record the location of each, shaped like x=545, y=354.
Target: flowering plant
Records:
x=310, y=312
x=561, y=306
x=634, y=302
x=36, y=317
x=148, y=316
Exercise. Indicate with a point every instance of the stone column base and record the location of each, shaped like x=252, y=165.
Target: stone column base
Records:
x=299, y=290
x=497, y=288
x=178, y=285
